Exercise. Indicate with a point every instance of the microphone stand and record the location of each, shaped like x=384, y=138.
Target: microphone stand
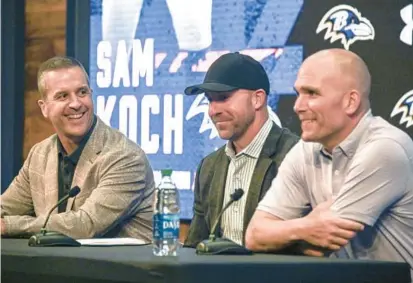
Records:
x=51, y=238
x=214, y=245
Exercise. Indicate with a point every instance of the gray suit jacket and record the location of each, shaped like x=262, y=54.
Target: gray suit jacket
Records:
x=211, y=177
x=116, y=197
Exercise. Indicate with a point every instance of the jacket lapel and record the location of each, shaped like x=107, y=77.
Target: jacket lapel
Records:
x=217, y=188
x=51, y=186
x=92, y=148
x=257, y=180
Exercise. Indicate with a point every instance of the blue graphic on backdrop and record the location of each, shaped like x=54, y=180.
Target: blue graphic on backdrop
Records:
x=345, y=23
x=404, y=106
x=144, y=53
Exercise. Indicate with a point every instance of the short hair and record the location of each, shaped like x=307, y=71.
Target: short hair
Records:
x=56, y=63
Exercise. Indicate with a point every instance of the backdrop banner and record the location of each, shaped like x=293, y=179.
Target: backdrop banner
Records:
x=143, y=53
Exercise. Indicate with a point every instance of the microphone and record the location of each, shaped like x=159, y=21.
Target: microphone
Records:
x=47, y=239
x=235, y=196
x=213, y=245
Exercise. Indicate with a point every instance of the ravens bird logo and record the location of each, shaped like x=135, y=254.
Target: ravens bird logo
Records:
x=346, y=23
x=200, y=106
x=405, y=107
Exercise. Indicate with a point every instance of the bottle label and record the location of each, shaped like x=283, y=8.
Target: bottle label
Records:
x=165, y=226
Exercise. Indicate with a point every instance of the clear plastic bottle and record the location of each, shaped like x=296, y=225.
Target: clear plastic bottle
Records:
x=166, y=217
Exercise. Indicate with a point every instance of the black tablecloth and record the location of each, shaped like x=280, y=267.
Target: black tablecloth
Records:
x=21, y=263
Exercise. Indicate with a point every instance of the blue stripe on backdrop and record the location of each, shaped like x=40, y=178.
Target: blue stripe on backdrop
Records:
x=12, y=89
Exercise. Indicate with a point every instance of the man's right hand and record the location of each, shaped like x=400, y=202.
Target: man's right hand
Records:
x=305, y=248
x=324, y=229
x=3, y=227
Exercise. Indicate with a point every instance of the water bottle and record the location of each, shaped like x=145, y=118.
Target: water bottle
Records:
x=166, y=217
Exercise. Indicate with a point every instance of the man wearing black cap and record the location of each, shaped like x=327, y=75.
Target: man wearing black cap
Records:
x=236, y=86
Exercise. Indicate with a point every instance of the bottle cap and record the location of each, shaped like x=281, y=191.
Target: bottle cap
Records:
x=166, y=172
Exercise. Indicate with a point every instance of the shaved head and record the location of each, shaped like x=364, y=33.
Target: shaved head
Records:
x=333, y=88
x=347, y=66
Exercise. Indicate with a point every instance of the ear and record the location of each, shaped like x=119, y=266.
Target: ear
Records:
x=352, y=102
x=259, y=99
x=43, y=108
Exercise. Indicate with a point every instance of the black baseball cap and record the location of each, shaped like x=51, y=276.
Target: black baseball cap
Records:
x=230, y=72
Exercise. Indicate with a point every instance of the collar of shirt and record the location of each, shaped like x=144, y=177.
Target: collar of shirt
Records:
x=254, y=148
x=349, y=145
x=74, y=157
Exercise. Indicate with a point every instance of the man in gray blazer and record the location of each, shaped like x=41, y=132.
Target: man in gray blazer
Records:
x=113, y=173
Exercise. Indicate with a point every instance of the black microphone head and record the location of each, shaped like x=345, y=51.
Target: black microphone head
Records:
x=237, y=194
x=74, y=191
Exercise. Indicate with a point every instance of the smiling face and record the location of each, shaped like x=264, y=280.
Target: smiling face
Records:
x=328, y=100
x=232, y=112
x=67, y=103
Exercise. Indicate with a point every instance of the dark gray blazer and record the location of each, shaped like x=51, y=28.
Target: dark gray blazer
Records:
x=211, y=177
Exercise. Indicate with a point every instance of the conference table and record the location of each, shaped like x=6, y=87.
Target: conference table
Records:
x=21, y=263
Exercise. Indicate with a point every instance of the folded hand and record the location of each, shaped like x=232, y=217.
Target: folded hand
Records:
x=326, y=230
